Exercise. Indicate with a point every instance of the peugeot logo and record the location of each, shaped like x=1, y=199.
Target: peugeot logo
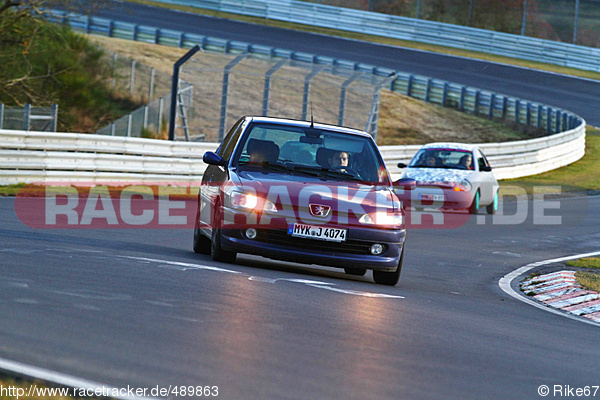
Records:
x=319, y=210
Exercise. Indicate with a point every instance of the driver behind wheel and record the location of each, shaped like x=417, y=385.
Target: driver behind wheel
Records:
x=339, y=161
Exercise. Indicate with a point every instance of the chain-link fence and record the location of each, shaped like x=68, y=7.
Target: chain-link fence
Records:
x=150, y=121
x=570, y=21
x=143, y=84
x=217, y=89
x=28, y=118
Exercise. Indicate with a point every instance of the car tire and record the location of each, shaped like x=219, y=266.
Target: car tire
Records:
x=389, y=278
x=492, y=208
x=201, y=243
x=355, y=271
x=216, y=251
x=474, y=207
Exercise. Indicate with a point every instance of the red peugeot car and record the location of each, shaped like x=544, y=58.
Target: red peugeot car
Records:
x=301, y=192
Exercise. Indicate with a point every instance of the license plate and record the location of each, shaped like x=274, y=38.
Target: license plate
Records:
x=432, y=197
x=317, y=232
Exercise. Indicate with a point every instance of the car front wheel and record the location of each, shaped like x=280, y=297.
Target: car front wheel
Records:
x=216, y=252
x=492, y=208
x=201, y=242
x=474, y=207
x=389, y=278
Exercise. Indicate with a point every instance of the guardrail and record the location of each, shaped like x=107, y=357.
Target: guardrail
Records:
x=418, y=30
x=27, y=157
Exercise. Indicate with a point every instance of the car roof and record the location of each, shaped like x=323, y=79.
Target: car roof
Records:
x=307, y=124
x=450, y=145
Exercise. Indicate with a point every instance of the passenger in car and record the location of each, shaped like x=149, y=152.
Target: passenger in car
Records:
x=262, y=151
x=466, y=161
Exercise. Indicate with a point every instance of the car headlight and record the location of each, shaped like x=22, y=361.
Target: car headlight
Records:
x=462, y=186
x=249, y=201
x=382, y=218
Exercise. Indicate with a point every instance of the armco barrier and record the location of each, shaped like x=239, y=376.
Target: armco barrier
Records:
x=27, y=157
x=418, y=30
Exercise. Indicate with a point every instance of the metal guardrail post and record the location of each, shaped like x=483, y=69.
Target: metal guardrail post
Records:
x=477, y=101
x=227, y=71
x=492, y=106
x=428, y=89
x=557, y=124
x=267, y=88
x=445, y=94
x=1, y=115
x=26, y=115
x=54, y=117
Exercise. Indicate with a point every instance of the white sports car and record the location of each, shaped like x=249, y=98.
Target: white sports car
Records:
x=451, y=176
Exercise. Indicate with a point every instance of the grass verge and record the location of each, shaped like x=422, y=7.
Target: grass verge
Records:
x=589, y=276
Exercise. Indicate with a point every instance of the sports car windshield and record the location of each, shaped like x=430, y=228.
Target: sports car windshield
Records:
x=443, y=158
x=311, y=151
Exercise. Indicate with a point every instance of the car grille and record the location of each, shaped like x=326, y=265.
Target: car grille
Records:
x=282, y=238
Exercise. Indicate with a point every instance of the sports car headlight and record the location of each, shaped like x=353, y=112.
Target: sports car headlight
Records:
x=249, y=201
x=382, y=218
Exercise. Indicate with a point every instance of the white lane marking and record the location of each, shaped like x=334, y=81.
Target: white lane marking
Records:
x=357, y=292
x=183, y=264
x=62, y=379
x=506, y=281
x=308, y=282
x=507, y=253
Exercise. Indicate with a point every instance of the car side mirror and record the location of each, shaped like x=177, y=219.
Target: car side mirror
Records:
x=486, y=169
x=406, y=183
x=213, y=158
x=401, y=165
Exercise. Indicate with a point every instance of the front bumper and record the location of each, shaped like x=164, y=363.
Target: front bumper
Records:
x=354, y=252
x=427, y=196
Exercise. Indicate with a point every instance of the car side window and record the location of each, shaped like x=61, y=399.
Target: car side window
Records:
x=228, y=145
x=481, y=160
